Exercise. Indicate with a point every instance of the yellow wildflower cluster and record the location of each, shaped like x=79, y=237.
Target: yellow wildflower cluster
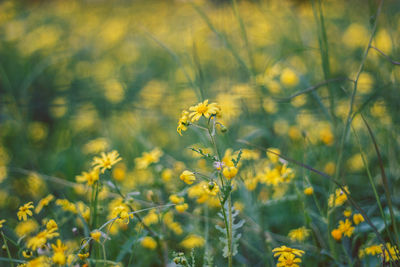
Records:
x=379, y=250
x=345, y=228
x=42, y=237
x=288, y=257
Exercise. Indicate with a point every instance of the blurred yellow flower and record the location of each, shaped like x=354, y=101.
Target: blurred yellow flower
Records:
x=188, y=177
x=289, y=78
x=358, y=218
x=149, y=243
x=89, y=177
x=44, y=202
x=309, y=191
x=59, y=256
x=192, y=241
x=148, y=158
x=336, y=234
x=181, y=207
x=96, y=234
x=229, y=172
x=299, y=234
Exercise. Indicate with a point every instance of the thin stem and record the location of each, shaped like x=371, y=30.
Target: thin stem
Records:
x=8, y=251
x=230, y=230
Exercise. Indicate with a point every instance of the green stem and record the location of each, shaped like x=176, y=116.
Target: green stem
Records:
x=8, y=251
x=230, y=231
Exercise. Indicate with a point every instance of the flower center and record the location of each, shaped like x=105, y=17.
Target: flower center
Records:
x=202, y=109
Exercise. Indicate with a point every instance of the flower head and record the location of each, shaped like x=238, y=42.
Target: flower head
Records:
x=1, y=223
x=188, y=177
x=203, y=109
x=288, y=260
x=309, y=191
x=176, y=199
x=346, y=228
x=106, y=161
x=283, y=250
x=181, y=207
x=96, y=234
x=336, y=234
x=230, y=172
x=358, y=218
x=183, y=122
x=211, y=188
x=148, y=242
x=148, y=158
x=299, y=234
x=88, y=177
x=43, y=203
x=59, y=256
x=24, y=211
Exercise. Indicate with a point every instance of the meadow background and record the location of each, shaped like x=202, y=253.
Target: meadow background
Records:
x=78, y=78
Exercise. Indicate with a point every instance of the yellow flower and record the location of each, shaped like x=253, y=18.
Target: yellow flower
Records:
x=347, y=212
x=203, y=109
x=59, y=256
x=43, y=203
x=188, y=177
x=148, y=158
x=27, y=254
x=346, y=228
x=358, y=218
x=211, y=188
x=283, y=250
x=51, y=225
x=393, y=250
x=122, y=212
x=88, y=177
x=271, y=154
x=336, y=234
x=288, y=260
x=1, y=223
x=24, y=211
x=183, y=122
x=41, y=261
x=299, y=234
x=289, y=78
x=175, y=199
x=181, y=207
x=230, y=172
x=106, y=161
x=149, y=243
x=309, y=191
x=41, y=238
x=373, y=250
x=339, y=198
x=83, y=256
x=26, y=227
x=96, y=235
x=192, y=241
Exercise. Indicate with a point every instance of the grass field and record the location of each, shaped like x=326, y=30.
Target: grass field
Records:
x=199, y=133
